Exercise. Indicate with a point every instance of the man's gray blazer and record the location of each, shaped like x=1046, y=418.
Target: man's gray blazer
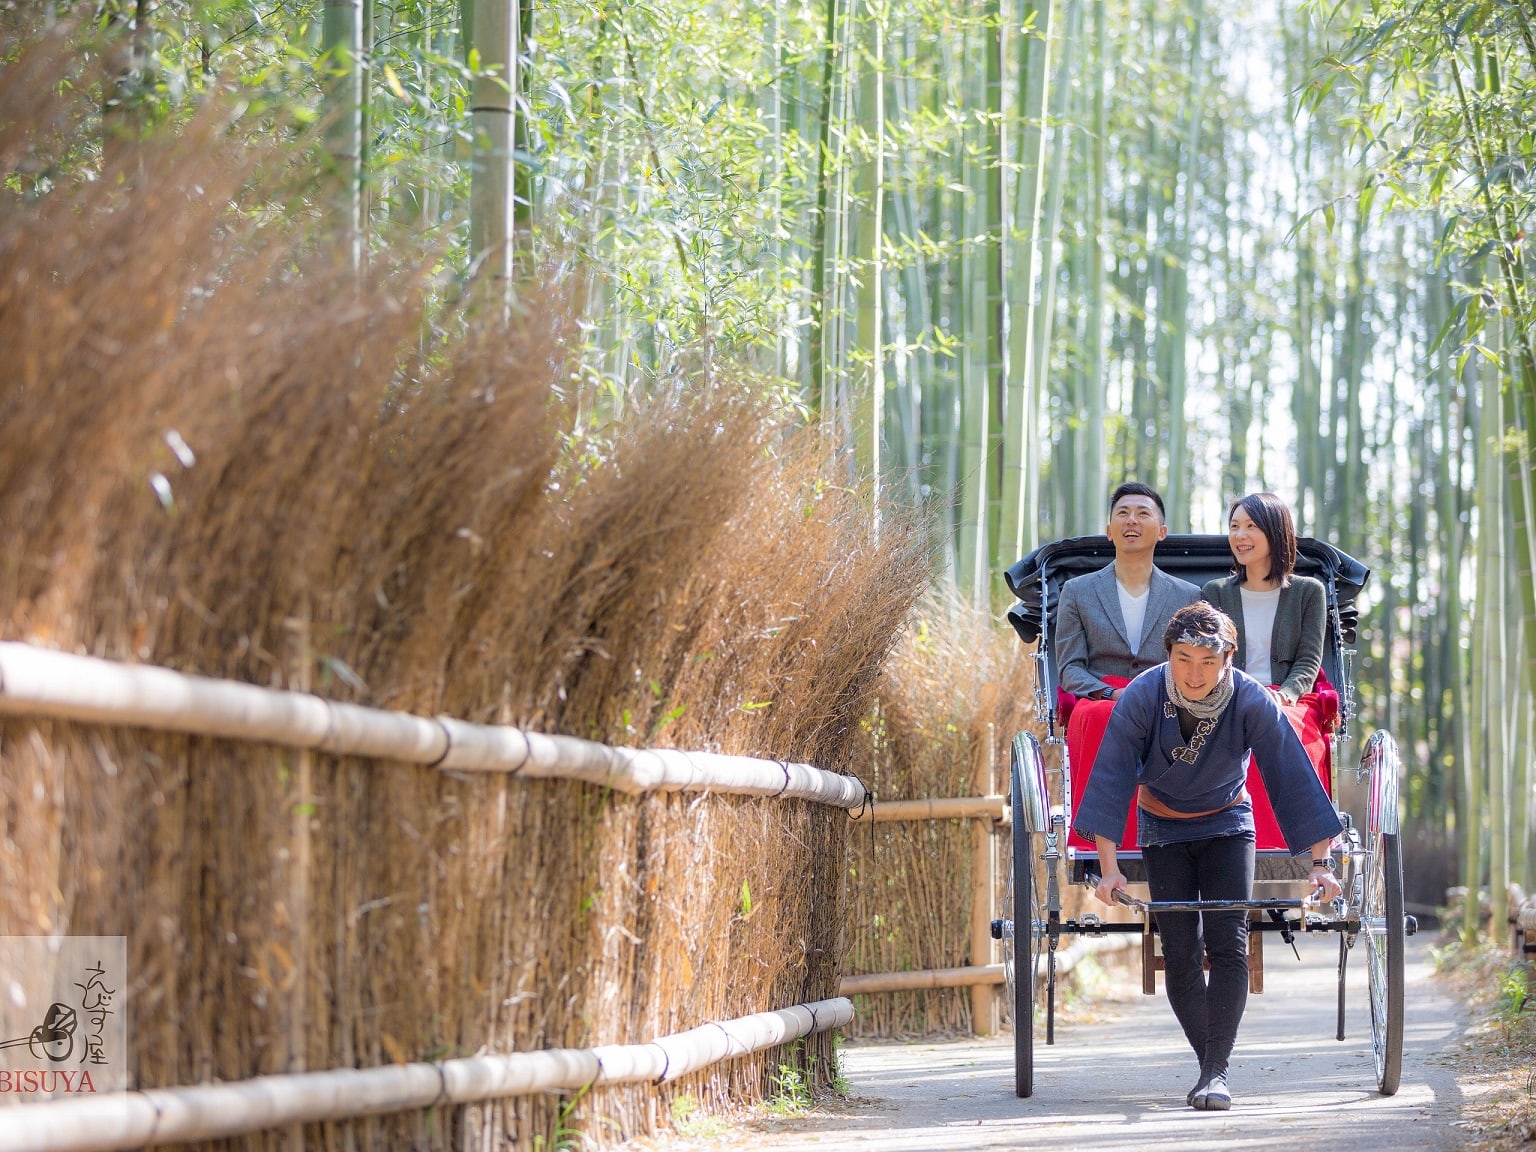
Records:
x=1090, y=629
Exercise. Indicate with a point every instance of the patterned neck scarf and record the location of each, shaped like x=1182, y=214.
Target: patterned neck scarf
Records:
x=1210, y=706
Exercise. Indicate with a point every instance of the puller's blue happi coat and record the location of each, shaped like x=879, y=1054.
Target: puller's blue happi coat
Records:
x=1138, y=748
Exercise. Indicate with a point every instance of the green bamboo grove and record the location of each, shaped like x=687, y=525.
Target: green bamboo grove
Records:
x=1005, y=252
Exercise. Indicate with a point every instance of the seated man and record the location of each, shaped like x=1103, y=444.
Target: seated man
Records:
x=1110, y=623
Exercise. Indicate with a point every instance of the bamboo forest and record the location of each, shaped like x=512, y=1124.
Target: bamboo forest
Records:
x=972, y=263
x=1009, y=254
x=1006, y=254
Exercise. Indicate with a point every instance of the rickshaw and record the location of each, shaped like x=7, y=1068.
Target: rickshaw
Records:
x=1046, y=850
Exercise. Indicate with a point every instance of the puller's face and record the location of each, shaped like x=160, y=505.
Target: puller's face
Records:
x=1134, y=524
x=1196, y=670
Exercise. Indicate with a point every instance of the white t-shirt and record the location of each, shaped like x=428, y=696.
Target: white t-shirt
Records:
x=1134, y=609
x=1258, y=632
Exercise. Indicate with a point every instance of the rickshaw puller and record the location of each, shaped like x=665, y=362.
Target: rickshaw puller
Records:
x=1179, y=742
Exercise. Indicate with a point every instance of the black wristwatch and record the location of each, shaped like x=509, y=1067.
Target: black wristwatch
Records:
x=1326, y=862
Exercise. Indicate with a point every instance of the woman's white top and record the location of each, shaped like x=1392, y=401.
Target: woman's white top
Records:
x=1259, y=632
x=1134, y=609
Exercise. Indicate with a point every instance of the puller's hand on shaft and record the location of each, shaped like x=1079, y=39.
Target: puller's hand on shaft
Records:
x=1108, y=885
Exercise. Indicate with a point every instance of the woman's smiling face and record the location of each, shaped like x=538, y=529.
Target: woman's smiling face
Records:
x=1250, y=547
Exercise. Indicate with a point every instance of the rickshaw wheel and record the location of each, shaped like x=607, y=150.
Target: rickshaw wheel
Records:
x=1385, y=933
x=1023, y=946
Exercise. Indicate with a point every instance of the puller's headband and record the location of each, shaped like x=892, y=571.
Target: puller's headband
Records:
x=1201, y=639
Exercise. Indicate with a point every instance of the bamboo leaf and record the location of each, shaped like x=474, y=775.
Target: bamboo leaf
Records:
x=395, y=86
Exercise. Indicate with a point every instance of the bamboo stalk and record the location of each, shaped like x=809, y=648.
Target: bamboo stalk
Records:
x=213, y=1111
x=342, y=43
x=943, y=808
x=494, y=36
x=40, y=682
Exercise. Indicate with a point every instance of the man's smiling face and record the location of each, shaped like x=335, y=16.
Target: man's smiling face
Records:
x=1134, y=525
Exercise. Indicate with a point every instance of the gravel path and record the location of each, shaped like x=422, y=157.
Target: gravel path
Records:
x=1117, y=1083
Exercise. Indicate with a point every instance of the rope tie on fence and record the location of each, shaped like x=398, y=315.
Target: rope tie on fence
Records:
x=784, y=768
x=867, y=802
x=447, y=742
x=733, y=1047
x=159, y=1113
x=332, y=737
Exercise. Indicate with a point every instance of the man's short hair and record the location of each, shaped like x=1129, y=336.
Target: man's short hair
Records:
x=1137, y=488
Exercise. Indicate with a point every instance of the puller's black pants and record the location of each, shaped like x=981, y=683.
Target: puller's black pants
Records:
x=1209, y=1010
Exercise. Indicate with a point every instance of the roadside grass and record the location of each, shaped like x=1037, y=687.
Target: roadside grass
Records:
x=791, y=1093
x=690, y=1122
x=1496, y=1063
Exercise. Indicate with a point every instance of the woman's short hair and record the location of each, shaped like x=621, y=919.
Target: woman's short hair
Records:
x=1272, y=517
x=1202, y=624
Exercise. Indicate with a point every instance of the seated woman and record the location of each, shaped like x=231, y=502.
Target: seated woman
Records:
x=1280, y=617
x=1281, y=621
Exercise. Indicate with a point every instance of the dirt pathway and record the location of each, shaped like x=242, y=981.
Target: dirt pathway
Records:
x=1117, y=1084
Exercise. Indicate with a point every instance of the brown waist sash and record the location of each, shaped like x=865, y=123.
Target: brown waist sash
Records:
x=1150, y=803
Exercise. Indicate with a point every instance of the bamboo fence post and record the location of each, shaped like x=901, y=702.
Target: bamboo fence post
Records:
x=984, y=1017
x=301, y=807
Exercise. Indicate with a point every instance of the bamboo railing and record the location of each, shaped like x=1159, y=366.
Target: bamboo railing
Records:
x=993, y=808
x=122, y=1120
x=40, y=682
x=970, y=976
x=58, y=685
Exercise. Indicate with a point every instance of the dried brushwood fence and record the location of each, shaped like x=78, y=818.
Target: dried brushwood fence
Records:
x=954, y=693
x=222, y=454
x=929, y=872
x=39, y=683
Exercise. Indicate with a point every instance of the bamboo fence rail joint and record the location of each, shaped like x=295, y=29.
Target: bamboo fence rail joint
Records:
x=40, y=682
x=123, y=1120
